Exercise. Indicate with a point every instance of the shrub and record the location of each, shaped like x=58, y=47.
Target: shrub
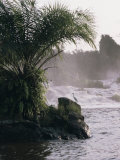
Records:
x=29, y=38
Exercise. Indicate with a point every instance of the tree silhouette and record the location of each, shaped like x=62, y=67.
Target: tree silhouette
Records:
x=29, y=38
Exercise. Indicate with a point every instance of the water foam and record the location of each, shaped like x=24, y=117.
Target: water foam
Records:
x=87, y=97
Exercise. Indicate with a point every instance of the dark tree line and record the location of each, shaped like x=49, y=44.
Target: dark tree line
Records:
x=87, y=65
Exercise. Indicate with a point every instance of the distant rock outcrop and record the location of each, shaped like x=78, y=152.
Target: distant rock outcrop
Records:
x=116, y=98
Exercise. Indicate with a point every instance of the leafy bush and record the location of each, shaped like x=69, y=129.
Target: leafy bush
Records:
x=49, y=118
x=21, y=96
x=29, y=38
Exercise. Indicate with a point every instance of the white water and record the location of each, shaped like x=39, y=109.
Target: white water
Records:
x=104, y=144
x=101, y=113
x=87, y=97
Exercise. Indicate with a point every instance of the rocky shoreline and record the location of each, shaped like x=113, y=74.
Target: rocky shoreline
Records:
x=69, y=125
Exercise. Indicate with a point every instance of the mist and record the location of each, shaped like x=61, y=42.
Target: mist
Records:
x=81, y=67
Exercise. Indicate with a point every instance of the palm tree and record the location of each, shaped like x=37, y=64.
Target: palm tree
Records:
x=29, y=38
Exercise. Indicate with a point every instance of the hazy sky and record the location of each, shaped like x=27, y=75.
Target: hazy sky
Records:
x=107, y=17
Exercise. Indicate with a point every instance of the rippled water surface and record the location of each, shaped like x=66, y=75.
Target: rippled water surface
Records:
x=102, y=114
x=103, y=145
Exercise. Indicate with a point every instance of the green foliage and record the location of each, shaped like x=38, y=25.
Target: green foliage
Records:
x=54, y=117
x=65, y=110
x=74, y=108
x=29, y=38
x=30, y=34
x=50, y=117
x=23, y=95
x=62, y=112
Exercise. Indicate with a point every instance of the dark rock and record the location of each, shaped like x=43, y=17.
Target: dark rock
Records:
x=69, y=125
x=65, y=137
x=77, y=126
x=49, y=133
x=75, y=122
x=13, y=131
x=80, y=129
x=69, y=105
x=75, y=116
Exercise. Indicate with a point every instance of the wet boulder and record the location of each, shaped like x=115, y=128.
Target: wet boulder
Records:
x=77, y=126
x=16, y=131
x=75, y=120
x=75, y=116
x=68, y=105
x=66, y=123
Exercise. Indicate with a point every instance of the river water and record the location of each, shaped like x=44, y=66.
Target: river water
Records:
x=102, y=114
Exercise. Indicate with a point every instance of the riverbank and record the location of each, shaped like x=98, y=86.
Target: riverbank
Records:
x=66, y=123
x=104, y=143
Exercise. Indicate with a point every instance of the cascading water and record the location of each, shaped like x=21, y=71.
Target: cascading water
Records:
x=101, y=108
x=107, y=96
